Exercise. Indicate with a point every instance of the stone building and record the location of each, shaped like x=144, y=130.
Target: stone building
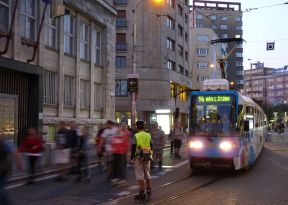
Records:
x=162, y=60
x=70, y=78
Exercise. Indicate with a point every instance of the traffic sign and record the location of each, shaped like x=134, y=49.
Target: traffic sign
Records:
x=133, y=84
x=270, y=46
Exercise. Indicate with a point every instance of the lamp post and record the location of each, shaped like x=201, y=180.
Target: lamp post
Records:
x=134, y=74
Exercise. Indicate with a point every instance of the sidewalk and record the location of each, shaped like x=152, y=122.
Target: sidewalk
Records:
x=44, y=170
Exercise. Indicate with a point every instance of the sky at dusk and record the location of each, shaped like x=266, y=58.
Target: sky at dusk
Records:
x=268, y=23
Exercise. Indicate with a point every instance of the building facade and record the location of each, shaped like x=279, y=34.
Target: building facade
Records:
x=71, y=76
x=266, y=85
x=204, y=56
x=162, y=60
x=225, y=18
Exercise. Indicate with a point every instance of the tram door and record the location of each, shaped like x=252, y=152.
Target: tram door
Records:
x=8, y=116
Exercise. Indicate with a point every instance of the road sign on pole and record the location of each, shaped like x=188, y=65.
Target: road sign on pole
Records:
x=270, y=46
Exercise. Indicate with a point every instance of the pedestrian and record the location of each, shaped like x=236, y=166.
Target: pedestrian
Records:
x=82, y=156
x=73, y=144
x=177, y=138
x=120, y=147
x=158, y=139
x=6, y=160
x=142, y=150
x=100, y=146
x=111, y=129
x=62, y=152
x=32, y=146
x=171, y=137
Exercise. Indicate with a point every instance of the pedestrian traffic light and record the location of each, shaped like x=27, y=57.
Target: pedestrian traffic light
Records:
x=133, y=85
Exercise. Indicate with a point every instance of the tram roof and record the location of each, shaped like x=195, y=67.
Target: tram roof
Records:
x=248, y=101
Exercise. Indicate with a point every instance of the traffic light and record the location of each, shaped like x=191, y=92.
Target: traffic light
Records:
x=132, y=85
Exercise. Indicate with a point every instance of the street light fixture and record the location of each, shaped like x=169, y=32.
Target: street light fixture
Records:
x=134, y=74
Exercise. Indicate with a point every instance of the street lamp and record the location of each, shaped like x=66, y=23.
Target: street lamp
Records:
x=134, y=74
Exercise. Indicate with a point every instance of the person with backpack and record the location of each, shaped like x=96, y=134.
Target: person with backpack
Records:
x=6, y=160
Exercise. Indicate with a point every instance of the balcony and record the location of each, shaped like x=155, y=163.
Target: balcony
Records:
x=121, y=23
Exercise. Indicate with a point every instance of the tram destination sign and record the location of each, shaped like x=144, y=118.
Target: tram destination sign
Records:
x=214, y=99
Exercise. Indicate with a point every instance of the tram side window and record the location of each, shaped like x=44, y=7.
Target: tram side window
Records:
x=250, y=114
x=240, y=118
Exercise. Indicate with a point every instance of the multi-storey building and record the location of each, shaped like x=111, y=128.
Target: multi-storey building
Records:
x=225, y=18
x=162, y=59
x=204, y=56
x=265, y=85
x=71, y=76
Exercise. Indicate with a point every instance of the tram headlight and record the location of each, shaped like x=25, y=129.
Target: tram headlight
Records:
x=196, y=144
x=226, y=146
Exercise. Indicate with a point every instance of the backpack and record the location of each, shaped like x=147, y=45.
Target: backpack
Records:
x=5, y=159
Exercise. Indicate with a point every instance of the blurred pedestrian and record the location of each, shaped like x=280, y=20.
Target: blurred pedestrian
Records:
x=32, y=146
x=120, y=147
x=141, y=152
x=7, y=154
x=100, y=146
x=158, y=139
x=177, y=138
x=62, y=152
x=111, y=129
x=73, y=144
x=82, y=156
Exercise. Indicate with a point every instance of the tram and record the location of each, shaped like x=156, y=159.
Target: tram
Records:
x=226, y=128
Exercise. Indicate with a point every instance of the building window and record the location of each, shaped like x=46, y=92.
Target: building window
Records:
x=84, y=43
x=68, y=34
x=97, y=46
x=170, y=22
x=213, y=17
x=199, y=25
x=238, y=18
x=180, y=50
x=186, y=37
x=239, y=72
x=202, y=51
x=180, y=69
x=84, y=93
x=224, y=35
x=121, y=42
x=199, y=16
x=180, y=30
x=170, y=44
x=238, y=63
x=202, y=78
x=4, y=14
x=121, y=21
x=68, y=90
x=237, y=35
x=239, y=54
x=186, y=56
x=224, y=18
x=180, y=10
x=186, y=73
x=171, y=3
x=121, y=2
x=50, y=28
x=239, y=28
x=223, y=27
x=121, y=88
x=202, y=38
x=172, y=90
x=186, y=18
x=50, y=87
x=239, y=45
x=98, y=96
x=120, y=61
x=28, y=18
x=171, y=65
x=202, y=65
x=214, y=27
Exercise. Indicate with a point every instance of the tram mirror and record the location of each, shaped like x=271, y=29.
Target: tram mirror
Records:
x=246, y=125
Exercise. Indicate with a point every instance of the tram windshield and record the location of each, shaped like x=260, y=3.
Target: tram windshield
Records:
x=213, y=115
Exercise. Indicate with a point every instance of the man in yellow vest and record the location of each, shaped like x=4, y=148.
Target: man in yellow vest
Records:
x=142, y=152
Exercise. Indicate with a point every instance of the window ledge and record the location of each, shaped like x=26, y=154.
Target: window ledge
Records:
x=28, y=42
x=52, y=49
x=69, y=55
x=50, y=105
x=3, y=33
x=85, y=60
x=84, y=108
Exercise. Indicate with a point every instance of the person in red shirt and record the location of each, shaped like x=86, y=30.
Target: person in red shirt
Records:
x=32, y=146
x=120, y=148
